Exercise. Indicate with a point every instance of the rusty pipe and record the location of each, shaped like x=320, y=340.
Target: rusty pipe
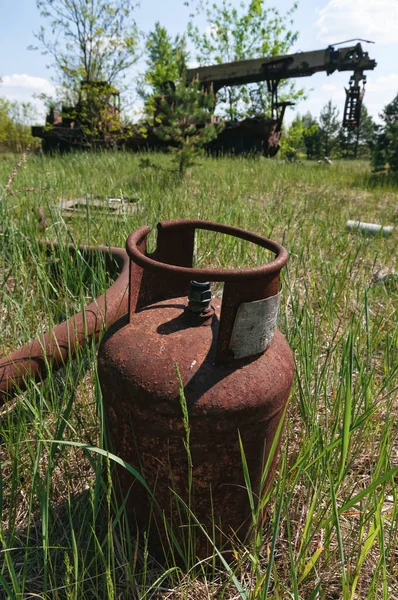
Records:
x=60, y=344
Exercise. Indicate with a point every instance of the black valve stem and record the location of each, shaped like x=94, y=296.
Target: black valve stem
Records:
x=199, y=298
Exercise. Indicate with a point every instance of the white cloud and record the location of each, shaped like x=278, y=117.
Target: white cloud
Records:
x=376, y=20
x=329, y=87
x=377, y=90
x=383, y=83
x=335, y=92
x=23, y=88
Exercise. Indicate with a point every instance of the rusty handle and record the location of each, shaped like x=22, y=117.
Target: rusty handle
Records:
x=168, y=271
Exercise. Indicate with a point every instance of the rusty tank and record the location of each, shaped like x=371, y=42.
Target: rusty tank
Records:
x=236, y=371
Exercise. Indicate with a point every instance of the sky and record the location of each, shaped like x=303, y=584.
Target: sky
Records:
x=25, y=73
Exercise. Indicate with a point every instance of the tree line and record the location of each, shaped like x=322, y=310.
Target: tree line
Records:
x=15, y=133
x=315, y=138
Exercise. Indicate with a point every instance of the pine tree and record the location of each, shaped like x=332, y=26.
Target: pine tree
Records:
x=386, y=146
x=312, y=136
x=329, y=127
x=186, y=122
x=166, y=62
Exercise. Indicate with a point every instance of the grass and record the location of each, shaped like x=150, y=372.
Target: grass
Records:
x=332, y=520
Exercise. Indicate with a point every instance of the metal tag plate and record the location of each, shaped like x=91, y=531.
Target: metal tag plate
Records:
x=254, y=326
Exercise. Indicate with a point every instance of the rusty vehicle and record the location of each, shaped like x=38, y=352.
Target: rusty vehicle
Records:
x=236, y=370
x=262, y=134
x=94, y=121
x=257, y=134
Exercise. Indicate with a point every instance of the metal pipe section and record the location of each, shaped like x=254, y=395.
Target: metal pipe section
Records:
x=59, y=345
x=369, y=228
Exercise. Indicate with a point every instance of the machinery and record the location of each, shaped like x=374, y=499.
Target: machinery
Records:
x=264, y=134
x=93, y=122
x=258, y=134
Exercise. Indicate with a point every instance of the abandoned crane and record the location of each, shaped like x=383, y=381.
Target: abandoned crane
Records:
x=264, y=134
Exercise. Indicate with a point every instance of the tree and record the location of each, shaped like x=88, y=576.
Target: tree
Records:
x=312, y=136
x=329, y=127
x=88, y=40
x=249, y=31
x=166, y=61
x=186, y=122
x=292, y=143
x=302, y=138
x=358, y=142
x=386, y=146
x=15, y=133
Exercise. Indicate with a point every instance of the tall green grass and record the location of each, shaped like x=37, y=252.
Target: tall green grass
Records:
x=331, y=527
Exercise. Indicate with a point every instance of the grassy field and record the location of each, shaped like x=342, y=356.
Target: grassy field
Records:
x=332, y=530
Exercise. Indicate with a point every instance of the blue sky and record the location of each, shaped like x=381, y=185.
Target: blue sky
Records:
x=320, y=22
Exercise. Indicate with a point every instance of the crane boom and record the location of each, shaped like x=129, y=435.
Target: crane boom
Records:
x=275, y=68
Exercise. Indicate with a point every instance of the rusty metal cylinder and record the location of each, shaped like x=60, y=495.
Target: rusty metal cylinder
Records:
x=236, y=370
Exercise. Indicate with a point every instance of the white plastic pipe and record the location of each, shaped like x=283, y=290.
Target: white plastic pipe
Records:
x=370, y=228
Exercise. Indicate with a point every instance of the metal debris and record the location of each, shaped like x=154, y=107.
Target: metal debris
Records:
x=106, y=206
x=369, y=228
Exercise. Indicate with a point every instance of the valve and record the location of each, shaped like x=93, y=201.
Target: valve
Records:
x=199, y=296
